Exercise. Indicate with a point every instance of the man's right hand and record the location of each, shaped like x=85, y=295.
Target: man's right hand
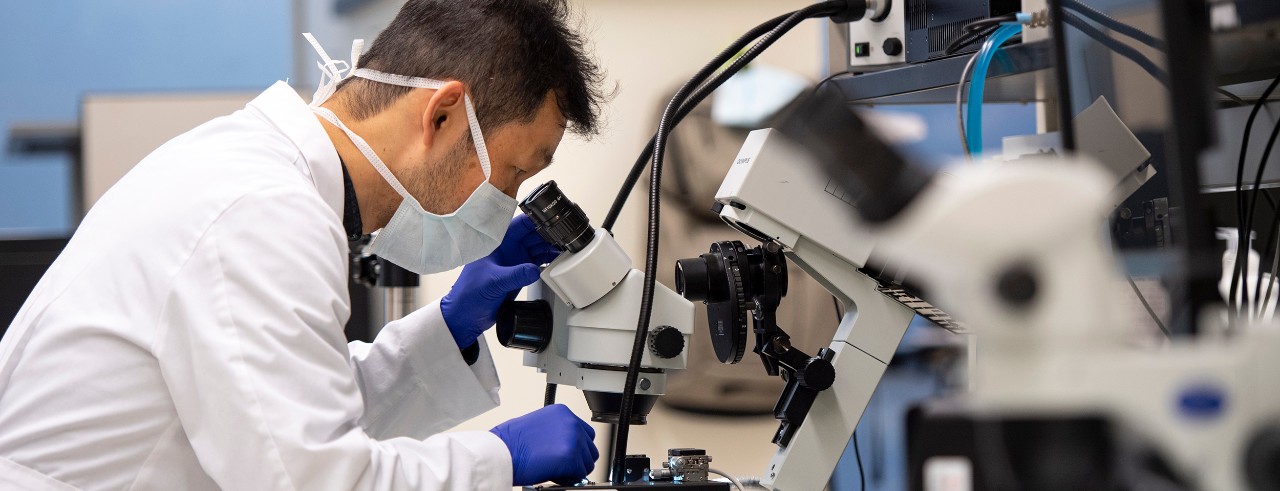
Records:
x=550, y=444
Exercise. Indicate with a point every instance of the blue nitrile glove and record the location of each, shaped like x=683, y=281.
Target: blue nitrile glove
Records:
x=472, y=304
x=550, y=444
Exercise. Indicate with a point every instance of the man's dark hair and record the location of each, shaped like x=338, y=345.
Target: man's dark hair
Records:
x=509, y=53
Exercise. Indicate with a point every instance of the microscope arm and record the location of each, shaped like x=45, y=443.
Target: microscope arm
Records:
x=865, y=342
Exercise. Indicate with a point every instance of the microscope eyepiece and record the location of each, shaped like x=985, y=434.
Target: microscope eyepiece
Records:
x=559, y=220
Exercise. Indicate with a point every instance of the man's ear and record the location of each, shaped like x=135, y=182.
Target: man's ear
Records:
x=445, y=111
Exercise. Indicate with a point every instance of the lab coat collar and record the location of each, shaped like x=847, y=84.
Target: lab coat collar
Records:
x=282, y=106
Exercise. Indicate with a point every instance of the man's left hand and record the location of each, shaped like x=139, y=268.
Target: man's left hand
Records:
x=472, y=304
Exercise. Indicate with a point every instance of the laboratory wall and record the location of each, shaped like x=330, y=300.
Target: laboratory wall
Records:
x=56, y=52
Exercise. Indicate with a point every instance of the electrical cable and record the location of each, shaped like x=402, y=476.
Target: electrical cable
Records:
x=969, y=38
x=549, y=397
x=665, y=125
x=829, y=78
x=1275, y=268
x=1240, y=102
x=1116, y=46
x=1115, y=25
x=983, y=24
x=703, y=91
x=857, y=454
x=1242, y=219
x=736, y=483
x=1257, y=184
x=964, y=139
x=1065, y=108
x=977, y=84
x=1271, y=240
x=1146, y=305
x=1233, y=97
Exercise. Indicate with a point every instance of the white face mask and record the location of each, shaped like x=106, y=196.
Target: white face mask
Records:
x=416, y=239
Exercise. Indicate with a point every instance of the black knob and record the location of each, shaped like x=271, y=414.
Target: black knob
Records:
x=525, y=325
x=892, y=47
x=666, y=342
x=816, y=374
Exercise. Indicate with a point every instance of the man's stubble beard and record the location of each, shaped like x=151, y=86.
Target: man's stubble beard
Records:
x=439, y=180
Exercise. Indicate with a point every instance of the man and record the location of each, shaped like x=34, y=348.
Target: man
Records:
x=190, y=335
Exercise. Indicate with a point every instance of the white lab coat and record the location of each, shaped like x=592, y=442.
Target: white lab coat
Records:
x=191, y=337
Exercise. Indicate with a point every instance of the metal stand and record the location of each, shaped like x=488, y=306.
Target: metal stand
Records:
x=397, y=285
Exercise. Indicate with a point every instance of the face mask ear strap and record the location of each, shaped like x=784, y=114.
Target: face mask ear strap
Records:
x=357, y=48
x=477, y=138
x=368, y=153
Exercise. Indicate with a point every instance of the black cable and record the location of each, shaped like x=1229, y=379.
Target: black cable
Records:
x=1116, y=46
x=1253, y=202
x=969, y=38
x=829, y=78
x=1234, y=98
x=1271, y=242
x=1146, y=305
x=982, y=24
x=1113, y=24
x=729, y=52
x=857, y=454
x=1275, y=260
x=1242, y=219
x=705, y=90
x=549, y=397
x=1062, y=77
x=655, y=192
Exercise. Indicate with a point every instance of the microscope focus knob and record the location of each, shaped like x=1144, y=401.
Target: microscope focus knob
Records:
x=666, y=342
x=816, y=374
x=525, y=325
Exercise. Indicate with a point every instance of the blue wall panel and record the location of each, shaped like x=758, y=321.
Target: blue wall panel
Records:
x=53, y=52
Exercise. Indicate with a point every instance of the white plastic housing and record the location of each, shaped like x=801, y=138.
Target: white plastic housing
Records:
x=602, y=335
x=581, y=278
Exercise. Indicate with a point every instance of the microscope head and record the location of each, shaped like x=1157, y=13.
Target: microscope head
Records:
x=579, y=323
